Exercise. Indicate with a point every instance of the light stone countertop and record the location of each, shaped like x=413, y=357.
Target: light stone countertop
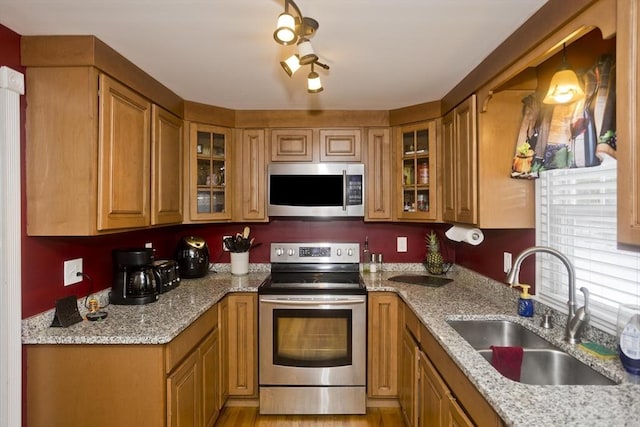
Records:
x=468, y=296
x=155, y=323
x=473, y=297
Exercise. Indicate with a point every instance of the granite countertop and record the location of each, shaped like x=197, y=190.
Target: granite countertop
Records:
x=517, y=404
x=155, y=323
x=469, y=296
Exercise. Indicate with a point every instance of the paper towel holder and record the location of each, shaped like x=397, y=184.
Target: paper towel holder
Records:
x=458, y=233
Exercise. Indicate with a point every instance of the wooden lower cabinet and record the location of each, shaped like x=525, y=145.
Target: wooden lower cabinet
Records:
x=408, y=387
x=433, y=391
x=242, y=345
x=183, y=392
x=173, y=384
x=382, y=354
x=209, y=358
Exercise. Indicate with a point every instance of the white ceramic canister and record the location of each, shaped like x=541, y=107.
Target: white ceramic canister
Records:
x=239, y=263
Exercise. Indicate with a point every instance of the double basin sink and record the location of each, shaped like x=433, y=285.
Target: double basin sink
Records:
x=542, y=363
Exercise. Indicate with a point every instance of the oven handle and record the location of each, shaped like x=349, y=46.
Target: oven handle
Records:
x=312, y=302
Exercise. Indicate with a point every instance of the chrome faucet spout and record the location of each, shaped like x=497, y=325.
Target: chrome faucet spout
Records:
x=576, y=319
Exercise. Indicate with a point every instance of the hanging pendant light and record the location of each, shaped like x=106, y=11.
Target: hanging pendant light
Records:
x=314, y=85
x=565, y=86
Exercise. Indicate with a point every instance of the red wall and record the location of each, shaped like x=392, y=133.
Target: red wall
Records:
x=43, y=257
x=487, y=257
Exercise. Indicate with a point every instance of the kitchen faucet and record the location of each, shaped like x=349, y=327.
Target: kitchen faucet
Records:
x=577, y=319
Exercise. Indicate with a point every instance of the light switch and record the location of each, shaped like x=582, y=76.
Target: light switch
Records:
x=401, y=244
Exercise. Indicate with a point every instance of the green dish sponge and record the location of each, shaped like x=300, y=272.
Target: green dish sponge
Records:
x=597, y=350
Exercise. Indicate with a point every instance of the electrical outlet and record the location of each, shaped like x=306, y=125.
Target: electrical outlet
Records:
x=71, y=269
x=224, y=248
x=506, y=262
x=148, y=245
x=401, y=244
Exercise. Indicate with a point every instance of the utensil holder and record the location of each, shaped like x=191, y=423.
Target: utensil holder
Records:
x=239, y=263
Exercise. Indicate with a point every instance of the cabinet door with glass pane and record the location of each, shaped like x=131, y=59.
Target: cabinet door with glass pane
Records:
x=209, y=162
x=416, y=154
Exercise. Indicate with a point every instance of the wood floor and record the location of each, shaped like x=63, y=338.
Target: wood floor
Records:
x=249, y=417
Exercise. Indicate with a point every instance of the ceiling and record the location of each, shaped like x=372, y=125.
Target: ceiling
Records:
x=383, y=54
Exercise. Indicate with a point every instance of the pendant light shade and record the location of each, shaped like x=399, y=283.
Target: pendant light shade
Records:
x=285, y=33
x=306, y=53
x=291, y=64
x=314, y=85
x=565, y=86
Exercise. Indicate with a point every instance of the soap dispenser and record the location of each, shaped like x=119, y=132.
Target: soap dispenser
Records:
x=525, y=303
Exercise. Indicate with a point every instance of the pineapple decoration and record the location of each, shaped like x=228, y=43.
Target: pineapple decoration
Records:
x=434, y=261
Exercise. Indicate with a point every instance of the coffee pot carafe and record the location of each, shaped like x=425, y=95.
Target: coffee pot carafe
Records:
x=135, y=280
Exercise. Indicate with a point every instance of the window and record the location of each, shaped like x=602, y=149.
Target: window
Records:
x=576, y=214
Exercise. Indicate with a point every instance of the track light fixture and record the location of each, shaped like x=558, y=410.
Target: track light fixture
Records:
x=297, y=29
x=565, y=86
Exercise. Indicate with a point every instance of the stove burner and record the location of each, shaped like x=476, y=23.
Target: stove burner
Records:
x=311, y=278
x=313, y=283
x=296, y=270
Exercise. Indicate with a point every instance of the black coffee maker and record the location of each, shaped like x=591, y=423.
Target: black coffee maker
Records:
x=135, y=280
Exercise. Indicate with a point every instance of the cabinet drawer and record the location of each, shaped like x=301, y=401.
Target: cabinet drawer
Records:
x=181, y=345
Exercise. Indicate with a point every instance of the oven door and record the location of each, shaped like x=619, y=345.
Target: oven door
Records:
x=317, y=340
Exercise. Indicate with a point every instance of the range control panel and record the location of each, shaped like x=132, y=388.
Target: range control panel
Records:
x=315, y=252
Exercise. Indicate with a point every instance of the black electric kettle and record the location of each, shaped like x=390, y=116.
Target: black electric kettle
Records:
x=192, y=255
x=135, y=279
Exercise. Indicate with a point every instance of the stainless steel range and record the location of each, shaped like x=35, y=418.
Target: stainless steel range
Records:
x=312, y=327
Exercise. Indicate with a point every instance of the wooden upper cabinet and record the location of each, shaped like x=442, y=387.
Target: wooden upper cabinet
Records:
x=291, y=145
x=498, y=126
x=316, y=145
x=416, y=172
x=210, y=173
x=250, y=160
x=459, y=129
x=340, y=145
x=166, y=167
x=89, y=156
x=627, y=120
x=124, y=160
x=378, y=167
x=448, y=168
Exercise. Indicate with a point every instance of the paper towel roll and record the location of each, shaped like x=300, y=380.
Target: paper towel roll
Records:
x=458, y=233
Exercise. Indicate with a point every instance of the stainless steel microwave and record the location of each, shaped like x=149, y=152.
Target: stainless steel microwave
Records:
x=315, y=189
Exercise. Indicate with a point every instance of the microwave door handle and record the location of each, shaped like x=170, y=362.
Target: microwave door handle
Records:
x=344, y=190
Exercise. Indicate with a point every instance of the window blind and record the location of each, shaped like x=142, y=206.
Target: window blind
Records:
x=576, y=214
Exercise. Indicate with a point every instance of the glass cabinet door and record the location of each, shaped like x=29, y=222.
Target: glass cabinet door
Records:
x=210, y=198
x=417, y=189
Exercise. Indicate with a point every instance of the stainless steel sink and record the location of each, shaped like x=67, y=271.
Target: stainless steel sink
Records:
x=555, y=367
x=542, y=362
x=485, y=333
